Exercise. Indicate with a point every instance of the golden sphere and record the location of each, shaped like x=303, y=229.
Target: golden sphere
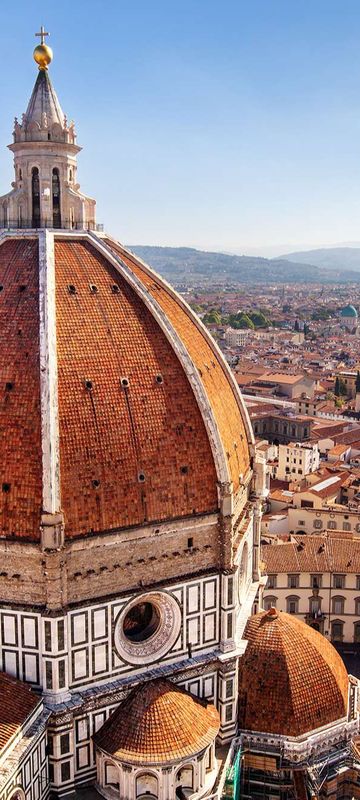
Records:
x=43, y=55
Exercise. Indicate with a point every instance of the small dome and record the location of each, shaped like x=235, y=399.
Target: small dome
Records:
x=291, y=680
x=158, y=723
x=348, y=311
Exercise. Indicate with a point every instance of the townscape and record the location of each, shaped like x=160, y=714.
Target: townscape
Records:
x=179, y=509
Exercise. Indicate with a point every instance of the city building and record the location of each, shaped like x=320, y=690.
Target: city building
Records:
x=297, y=460
x=317, y=578
x=237, y=337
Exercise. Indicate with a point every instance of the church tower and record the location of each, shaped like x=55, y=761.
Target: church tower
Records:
x=45, y=191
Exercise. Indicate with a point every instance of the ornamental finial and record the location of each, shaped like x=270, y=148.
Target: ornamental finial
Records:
x=43, y=54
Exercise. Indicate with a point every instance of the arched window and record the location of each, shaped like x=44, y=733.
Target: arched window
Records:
x=146, y=786
x=338, y=604
x=337, y=628
x=35, y=190
x=56, y=198
x=357, y=606
x=184, y=780
x=111, y=774
x=270, y=602
x=20, y=217
x=70, y=175
x=292, y=604
x=17, y=794
x=315, y=605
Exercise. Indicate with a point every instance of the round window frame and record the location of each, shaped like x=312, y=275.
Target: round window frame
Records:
x=161, y=641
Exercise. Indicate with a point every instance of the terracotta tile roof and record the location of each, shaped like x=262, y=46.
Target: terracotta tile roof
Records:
x=20, y=421
x=322, y=553
x=279, y=377
x=17, y=701
x=216, y=383
x=110, y=435
x=291, y=679
x=158, y=723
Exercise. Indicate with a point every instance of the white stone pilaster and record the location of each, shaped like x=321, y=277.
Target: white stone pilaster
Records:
x=52, y=521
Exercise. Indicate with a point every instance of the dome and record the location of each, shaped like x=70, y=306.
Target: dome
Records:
x=348, y=311
x=291, y=680
x=158, y=723
x=138, y=419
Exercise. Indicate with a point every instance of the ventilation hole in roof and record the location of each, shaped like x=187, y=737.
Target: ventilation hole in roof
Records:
x=6, y=487
x=96, y=483
x=115, y=288
x=93, y=288
x=184, y=470
x=22, y=287
x=19, y=332
x=125, y=382
x=157, y=530
x=1, y=287
x=159, y=379
x=141, y=477
x=9, y=386
x=88, y=385
x=71, y=288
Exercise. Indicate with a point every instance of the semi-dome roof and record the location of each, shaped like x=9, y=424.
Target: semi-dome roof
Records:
x=348, y=311
x=291, y=680
x=159, y=723
x=138, y=419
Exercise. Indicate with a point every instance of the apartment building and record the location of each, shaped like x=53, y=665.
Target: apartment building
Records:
x=317, y=578
x=297, y=460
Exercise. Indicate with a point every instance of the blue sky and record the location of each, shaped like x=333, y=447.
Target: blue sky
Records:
x=229, y=125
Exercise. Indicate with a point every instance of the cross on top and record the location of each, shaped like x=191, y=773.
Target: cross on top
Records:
x=42, y=34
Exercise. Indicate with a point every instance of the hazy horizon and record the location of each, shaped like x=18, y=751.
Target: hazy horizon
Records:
x=231, y=126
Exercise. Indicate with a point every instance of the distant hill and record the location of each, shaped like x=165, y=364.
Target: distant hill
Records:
x=186, y=264
x=341, y=259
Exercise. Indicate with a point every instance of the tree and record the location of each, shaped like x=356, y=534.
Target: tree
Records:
x=306, y=329
x=213, y=317
x=296, y=326
x=259, y=319
x=340, y=387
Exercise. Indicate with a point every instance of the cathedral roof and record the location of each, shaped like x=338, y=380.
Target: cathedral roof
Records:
x=292, y=680
x=17, y=701
x=159, y=723
x=44, y=100
x=149, y=419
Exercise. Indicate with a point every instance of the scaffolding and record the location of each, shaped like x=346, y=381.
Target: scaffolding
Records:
x=231, y=790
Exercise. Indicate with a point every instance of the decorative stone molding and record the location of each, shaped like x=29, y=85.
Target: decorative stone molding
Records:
x=160, y=641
